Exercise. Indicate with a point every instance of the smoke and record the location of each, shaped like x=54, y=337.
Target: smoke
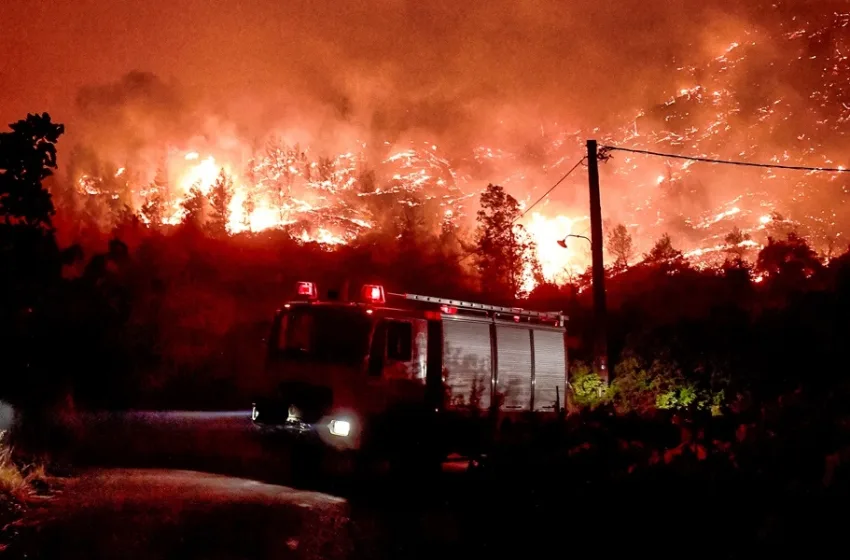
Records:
x=506, y=91
x=392, y=67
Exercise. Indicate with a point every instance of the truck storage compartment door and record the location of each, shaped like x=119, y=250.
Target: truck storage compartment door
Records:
x=467, y=363
x=513, y=346
x=550, y=369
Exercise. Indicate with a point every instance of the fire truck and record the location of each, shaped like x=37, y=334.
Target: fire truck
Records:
x=406, y=375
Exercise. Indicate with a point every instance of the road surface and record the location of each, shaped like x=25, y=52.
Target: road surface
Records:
x=153, y=514
x=189, y=485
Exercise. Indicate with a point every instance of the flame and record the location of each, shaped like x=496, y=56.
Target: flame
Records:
x=557, y=262
x=321, y=199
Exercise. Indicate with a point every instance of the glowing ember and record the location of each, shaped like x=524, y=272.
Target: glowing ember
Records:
x=332, y=197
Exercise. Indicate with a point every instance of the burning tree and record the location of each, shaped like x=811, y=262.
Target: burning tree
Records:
x=278, y=172
x=507, y=258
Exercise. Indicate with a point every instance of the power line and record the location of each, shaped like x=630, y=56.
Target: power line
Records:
x=729, y=162
x=561, y=180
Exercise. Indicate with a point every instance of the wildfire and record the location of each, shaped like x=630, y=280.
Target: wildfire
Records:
x=331, y=198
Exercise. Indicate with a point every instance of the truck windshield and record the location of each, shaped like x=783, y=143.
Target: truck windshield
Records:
x=325, y=334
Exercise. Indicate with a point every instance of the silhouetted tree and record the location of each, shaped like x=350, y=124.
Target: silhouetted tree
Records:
x=194, y=207
x=28, y=157
x=787, y=264
x=220, y=195
x=620, y=245
x=506, y=255
x=735, y=246
x=30, y=260
x=663, y=252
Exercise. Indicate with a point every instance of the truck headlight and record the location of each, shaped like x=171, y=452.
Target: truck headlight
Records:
x=340, y=428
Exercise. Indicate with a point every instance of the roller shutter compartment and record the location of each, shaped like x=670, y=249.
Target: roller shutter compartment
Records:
x=467, y=363
x=550, y=369
x=513, y=349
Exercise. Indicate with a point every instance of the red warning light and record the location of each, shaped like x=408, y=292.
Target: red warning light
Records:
x=307, y=289
x=373, y=293
x=516, y=318
x=448, y=309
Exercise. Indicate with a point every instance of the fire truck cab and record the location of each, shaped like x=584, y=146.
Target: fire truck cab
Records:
x=391, y=372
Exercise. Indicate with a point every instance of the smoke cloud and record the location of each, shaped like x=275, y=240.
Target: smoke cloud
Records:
x=532, y=79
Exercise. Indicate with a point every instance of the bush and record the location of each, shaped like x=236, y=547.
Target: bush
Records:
x=645, y=389
x=662, y=386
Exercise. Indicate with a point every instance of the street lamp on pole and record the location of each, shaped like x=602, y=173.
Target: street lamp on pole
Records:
x=563, y=242
x=601, y=342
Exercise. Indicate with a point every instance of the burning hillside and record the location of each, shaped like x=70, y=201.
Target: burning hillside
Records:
x=779, y=93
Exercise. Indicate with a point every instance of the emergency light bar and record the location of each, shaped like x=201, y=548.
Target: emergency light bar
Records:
x=307, y=289
x=373, y=293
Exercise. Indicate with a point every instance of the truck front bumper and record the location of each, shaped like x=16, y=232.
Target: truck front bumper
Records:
x=339, y=432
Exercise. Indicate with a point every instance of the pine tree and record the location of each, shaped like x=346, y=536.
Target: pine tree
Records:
x=220, y=195
x=506, y=255
x=620, y=245
x=194, y=207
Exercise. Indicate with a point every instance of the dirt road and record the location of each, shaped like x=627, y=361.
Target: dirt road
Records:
x=153, y=514
x=144, y=488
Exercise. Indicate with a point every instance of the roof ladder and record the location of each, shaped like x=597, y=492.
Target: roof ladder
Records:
x=550, y=315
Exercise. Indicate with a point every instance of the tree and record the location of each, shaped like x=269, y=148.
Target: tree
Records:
x=506, y=257
x=152, y=210
x=279, y=170
x=220, y=195
x=30, y=260
x=788, y=263
x=249, y=205
x=663, y=252
x=735, y=245
x=28, y=157
x=620, y=245
x=194, y=207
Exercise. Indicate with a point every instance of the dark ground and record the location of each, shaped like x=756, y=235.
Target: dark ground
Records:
x=144, y=487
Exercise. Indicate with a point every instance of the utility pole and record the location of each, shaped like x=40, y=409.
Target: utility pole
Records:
x=600, y=330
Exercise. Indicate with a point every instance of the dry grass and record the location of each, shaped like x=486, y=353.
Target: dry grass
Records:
x=16, y=482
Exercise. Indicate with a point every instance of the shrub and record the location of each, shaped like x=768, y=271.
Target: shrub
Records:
x=17, y=482
x=587, y=388
x=642, y=389
x=13, y=483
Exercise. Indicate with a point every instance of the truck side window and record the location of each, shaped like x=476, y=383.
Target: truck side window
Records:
x=399, y=341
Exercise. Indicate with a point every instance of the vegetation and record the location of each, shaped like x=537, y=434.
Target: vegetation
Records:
x=723, y=376
x=173, y=316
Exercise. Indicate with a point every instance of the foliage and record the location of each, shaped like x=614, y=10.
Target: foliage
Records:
x=152, y=209
x=220, y=195
x=619, y=244
x=791, y=259
x=663, y=252
x=588, y=389
x=734, y=243
x=660, y=386
x=28, y=157
x=194, y=208
x=506, y=255
x=174, y=314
